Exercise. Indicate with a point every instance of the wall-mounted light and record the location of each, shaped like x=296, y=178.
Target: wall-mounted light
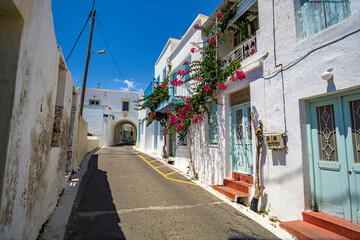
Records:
x=327, y=75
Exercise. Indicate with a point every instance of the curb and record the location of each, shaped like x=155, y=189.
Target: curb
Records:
x=55, y=228
x=262, y=221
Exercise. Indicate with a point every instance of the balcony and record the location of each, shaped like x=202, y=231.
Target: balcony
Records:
x=243, y=50
x=150, y=89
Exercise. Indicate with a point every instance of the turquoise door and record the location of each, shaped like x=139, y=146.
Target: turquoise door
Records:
x=335, y=153
x=351, y=106
x=241, y=146
x=156, y=134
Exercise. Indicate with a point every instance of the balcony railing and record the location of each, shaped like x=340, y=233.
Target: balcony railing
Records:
x=243, y=51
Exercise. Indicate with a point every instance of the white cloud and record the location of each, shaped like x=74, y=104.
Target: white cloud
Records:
x=124, y=89
x=117, y=80
x=129, y=84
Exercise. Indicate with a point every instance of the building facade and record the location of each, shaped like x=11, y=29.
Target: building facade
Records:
x=111, y=115
x=301, y=61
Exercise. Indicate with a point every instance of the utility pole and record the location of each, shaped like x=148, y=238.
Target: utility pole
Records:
x=87, y=64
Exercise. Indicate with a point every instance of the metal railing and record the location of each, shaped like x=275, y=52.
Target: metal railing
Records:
x=243, y=50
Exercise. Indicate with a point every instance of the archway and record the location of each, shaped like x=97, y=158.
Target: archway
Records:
x=124, y=131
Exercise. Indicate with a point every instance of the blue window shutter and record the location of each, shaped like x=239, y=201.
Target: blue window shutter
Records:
x=161, y=132
x=213, y=128
x=320, y=14
x=164, y=73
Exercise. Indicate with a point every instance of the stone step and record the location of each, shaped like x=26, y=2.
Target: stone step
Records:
x=230, y=192
x=238, y=185
x=304, y=230
x=243, y=177
x=334, y=224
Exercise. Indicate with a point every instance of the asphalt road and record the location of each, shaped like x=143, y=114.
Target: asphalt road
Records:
x=126, y=196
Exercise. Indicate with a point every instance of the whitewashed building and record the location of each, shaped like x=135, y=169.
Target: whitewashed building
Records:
x=111, y=115
x=175, y=53
x=302, y=80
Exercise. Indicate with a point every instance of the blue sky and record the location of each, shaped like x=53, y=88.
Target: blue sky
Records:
x=136, y=32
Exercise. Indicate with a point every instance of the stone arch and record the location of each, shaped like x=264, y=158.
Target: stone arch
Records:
x=123, y=133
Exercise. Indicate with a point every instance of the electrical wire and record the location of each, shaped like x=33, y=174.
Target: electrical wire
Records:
x=128, y=41
x=102, y=34
x=93, y=5
x=82, y=30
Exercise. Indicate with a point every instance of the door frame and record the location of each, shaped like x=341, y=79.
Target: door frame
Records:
x=232, y=140
x=341, y=140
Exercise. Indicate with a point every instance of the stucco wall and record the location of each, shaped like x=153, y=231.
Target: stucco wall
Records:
x=110, y=104
x=82, y=143
x=34, y=170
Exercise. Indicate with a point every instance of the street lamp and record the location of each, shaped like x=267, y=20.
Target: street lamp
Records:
x=99, y=52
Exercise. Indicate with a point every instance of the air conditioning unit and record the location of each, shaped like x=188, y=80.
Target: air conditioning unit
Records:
x=275, y=141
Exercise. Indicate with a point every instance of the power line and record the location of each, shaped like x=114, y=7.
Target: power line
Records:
x=82, y=30
x=128, y=41
x=93, y=5
x=102, y=34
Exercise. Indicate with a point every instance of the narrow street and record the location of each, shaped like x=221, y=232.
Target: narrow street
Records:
x=125, y=194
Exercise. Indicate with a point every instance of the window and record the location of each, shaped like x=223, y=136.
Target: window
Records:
x=125, y=106
x=213, y=127
x=94, y=102
x=164, y=73
x=173, y=88
x=161, y=132
x=321, y=14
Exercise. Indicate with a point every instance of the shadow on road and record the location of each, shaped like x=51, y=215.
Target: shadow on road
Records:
x=94, y=214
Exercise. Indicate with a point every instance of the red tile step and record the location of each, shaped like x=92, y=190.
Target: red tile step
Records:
x=304, y=230
x=237, y=185
x=333, y=224
x=229, y=192
x=242, y=177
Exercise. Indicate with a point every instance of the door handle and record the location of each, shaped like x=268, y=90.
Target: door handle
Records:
x=350, y=172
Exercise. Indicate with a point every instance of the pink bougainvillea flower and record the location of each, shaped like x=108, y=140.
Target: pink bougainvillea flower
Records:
x=222, y=86
x=219, y=16
x=165, y=132
x=206, y=88
x=231, y=62
x=152, y=115
x=186, y=63
x=199, y=79
x=251, y=53
x=221, y=104
x=240, y=75
x=197, y=119
x=212, y=41
x=196, y=26
x=151, y=101
x=231, y=78
x=179, y=83
x=179, y=126
x=192, y=50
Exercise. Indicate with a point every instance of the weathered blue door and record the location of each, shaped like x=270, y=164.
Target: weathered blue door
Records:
x=351, y=106
x=335, y=153
x=241, y=146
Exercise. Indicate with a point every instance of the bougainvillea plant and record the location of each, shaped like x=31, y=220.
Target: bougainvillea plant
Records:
x=152, y=101
x=204, y=80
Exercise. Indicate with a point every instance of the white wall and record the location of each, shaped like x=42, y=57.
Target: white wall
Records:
x=286, y=173
x=34, y=172
x=111, y=104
